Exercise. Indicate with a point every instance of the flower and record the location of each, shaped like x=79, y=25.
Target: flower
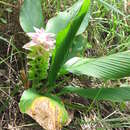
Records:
x=40, y=37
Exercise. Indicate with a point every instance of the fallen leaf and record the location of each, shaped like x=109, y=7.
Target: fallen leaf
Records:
x=47, y=113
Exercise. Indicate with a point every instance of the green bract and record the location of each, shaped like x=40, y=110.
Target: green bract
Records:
x=38, y=65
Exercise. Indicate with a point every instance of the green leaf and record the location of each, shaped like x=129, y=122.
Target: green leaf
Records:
x=64, y=41
x=111, y=94
x=30, y=98
x=77, y=48
x=31, y=15
x=109, y=67
x=30, y=95
x=56, y=24
x=45, y=109
x=27, y=98
x=85, y=22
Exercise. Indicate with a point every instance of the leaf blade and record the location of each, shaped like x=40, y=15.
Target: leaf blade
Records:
x=64, y=40
x=111, y=94
x=31, y=15
x=109, y=67
x=41, y=107
x=59, y=22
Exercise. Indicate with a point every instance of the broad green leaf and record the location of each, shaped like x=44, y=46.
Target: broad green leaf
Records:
x=31, y=15
x=78, y=47
x=64, y=41
x=111, y=94
x=30, y=95
x=109, y=67
x=85, y=22
x=47, y=110
x=59, y=22
x=27, y=98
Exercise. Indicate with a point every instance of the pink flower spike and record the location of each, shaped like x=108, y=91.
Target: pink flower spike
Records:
x=40, y=37
x=37, y=30
x=32, y=35
x=29, y=45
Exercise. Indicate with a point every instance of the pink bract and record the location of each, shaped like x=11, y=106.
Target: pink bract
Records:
x=40, y=37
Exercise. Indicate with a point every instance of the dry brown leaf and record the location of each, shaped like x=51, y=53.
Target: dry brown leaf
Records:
x=46, y=114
